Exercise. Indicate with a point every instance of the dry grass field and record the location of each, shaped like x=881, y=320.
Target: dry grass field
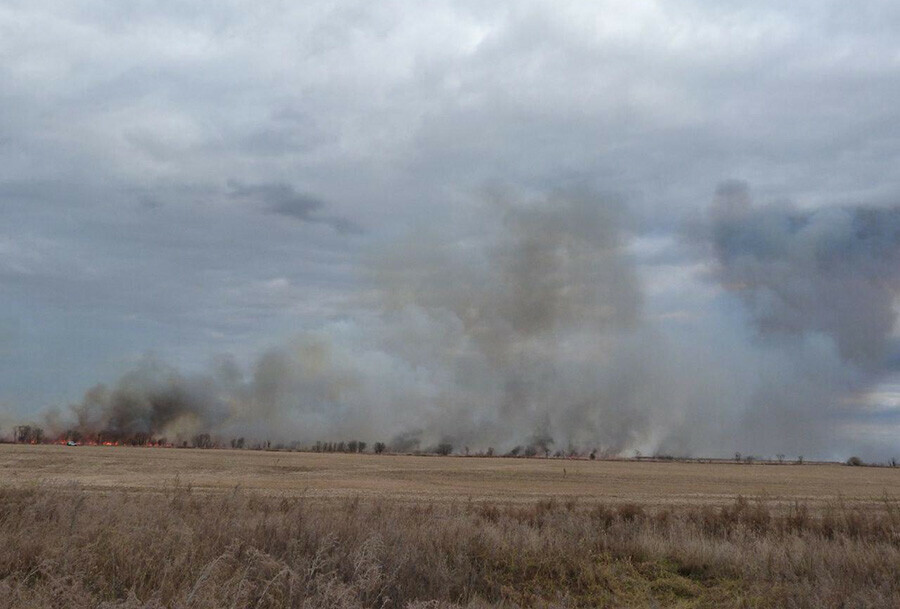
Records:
x=151, y=528
x=431, y=478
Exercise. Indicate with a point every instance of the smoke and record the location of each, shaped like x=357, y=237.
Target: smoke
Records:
x=288, y=388
x=529, y=326
x=833, y=272
x=817, y=290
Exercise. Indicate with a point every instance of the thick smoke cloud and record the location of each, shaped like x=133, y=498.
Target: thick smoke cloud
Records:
x=527, y=331
x=818, y=291
x=291, y=392
x=528, y=325
x=530, y=320
x=151, y=400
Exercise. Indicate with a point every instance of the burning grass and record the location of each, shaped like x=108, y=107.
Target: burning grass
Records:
x=182, y=548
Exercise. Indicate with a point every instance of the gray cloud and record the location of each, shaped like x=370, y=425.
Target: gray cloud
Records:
x=283, y=200
x=833, y=271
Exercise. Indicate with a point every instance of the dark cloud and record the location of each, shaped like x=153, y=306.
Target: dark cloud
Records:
x=280, y=199
x=149, y=203
x=834, y=271
x=283, y=200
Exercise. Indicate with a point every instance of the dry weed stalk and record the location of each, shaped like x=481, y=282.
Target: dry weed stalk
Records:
x=182, y=548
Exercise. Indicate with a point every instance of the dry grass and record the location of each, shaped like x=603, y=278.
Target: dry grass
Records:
x=119, y=527
x=442, y=479
x=67, y=547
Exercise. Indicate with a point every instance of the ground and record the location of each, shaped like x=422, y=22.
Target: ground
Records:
x=147, y=528
x=416, y=478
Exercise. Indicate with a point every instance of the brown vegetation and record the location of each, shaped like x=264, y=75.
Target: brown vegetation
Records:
x=441, y=479
x=142, y=527
x=180, y=548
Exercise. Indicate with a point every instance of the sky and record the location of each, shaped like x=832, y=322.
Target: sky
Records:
x=431, y=213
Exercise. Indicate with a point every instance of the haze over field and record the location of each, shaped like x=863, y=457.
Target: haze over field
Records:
x=625, y=225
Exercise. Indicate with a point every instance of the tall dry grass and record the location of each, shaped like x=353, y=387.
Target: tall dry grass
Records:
x=181, y=548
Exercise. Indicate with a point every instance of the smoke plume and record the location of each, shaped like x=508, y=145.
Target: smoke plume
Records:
x=833, y=272
x=529, y=326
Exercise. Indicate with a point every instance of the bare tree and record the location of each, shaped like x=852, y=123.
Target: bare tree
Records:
x=29, y=434
x=202, y=440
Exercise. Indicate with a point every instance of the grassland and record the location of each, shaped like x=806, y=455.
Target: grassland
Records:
x=415, y=478
x=119, y=527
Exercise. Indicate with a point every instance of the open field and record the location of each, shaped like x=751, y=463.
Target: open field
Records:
x=150, y=528
x=416, y=478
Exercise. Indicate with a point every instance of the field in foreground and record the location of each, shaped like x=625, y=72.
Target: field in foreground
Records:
x=183, y=548
x=132, y=528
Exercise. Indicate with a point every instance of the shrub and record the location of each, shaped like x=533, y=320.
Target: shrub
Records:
x=444, y=449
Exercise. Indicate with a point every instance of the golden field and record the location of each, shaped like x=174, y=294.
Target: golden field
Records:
x=432, y=478
x=145, y=528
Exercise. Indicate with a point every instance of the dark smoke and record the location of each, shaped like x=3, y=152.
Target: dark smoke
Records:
x=819, y=289
x=153, y=400
x=833, y=272
x=292, y=390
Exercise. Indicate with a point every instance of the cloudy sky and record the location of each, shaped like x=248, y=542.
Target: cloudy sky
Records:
x=199, y=180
